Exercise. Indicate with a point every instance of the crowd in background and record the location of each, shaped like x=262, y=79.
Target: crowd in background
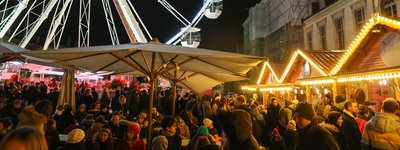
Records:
x=31, y=117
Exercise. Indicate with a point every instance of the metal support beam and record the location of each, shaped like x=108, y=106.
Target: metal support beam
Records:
x=131, y=25
x=12, y=17
x=110, y=22
x=38, y=23
x=84, y=23
x=58, y=19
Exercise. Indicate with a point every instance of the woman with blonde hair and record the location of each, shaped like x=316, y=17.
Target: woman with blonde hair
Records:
x=27, y=138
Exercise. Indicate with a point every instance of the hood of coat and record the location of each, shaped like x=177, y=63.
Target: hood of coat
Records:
x=384, y=123
x=330, y=127
x=30, y=117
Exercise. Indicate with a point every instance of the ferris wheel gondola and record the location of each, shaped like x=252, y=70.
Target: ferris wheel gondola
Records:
x=23, y=20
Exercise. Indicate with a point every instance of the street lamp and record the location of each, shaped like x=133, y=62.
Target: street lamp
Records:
x=214, y=10
x=191, y=37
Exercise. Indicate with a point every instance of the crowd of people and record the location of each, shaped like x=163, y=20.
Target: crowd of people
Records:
x=31, y=118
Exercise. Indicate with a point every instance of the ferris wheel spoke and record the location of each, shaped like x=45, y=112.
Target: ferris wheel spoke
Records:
x=140, y=20
x=174, y=12
x=6, y=24
x=60, y=19
x=132, y=27
x=110, y=22
x=84, y=23
x=43, y=16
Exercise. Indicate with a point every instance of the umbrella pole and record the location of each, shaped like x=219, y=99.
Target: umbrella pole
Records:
x=149, y=136
x=174, y=94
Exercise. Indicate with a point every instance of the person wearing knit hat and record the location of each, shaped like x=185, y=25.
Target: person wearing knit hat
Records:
x=237, y=130
x=311, y=135
x=159, y=143
x=96, y=126
x=131, y=139
x=305, y=111
x=333, y=125
x=335, y=117
x=211, y=129
x=207, y=122
x=202, y=130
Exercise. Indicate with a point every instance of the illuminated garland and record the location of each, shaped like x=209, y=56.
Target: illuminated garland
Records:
x=376, y=19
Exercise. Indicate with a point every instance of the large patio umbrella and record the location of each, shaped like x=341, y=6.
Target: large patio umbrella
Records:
x=152, y=59
x=6, y=47
x=197, y=81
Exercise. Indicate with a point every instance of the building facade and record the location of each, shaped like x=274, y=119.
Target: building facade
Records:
x=334, y=27
x=274, y=28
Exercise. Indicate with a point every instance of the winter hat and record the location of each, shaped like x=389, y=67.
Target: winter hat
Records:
x=339, y=99
x=105, y=130
x=237, y=125
x=76, y=136
x=207, y=122
x=100, y=119
x=203, y=130
x=369, y=103
x=134, y=128
x=103, y=106
x=295, y=102
x=159, y=143
x=288, y=102
x=333, y=117
x=306, y=111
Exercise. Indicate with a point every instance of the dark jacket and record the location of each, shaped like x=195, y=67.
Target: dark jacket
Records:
x=174, y=142
x=272, y=119
x=350, y=128
x=52, y=138
x=337, y=134
x=315, y=137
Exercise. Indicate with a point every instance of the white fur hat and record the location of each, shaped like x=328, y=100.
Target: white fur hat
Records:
x=76, y=136
x=207, y=122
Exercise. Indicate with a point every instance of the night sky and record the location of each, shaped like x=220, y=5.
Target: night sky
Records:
x=224, y=33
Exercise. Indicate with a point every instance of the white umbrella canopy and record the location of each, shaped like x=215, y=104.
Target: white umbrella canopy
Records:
x=137, y=57
x=196, y=81
x=153, y=60
x=6, y=47
x=200, y=82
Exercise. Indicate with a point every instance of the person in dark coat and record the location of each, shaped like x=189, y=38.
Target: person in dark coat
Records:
x=104, y=112
x=350, y=126
x=334, y=125
x=237, y=131
x=95, y=95
x=133, y=103
x=51, y=134
x=311, y=135
x=169, y=131
x=87, y=98
x=67, y=116
x=273, y=115
x=80, y=113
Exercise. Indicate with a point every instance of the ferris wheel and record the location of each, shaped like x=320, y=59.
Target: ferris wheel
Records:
x=22, y=20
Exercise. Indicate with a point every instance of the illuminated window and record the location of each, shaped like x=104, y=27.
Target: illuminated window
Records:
x=309, y=40
x=322, y=33
x=360, y=18
x=339, y=31
x=389, y=8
